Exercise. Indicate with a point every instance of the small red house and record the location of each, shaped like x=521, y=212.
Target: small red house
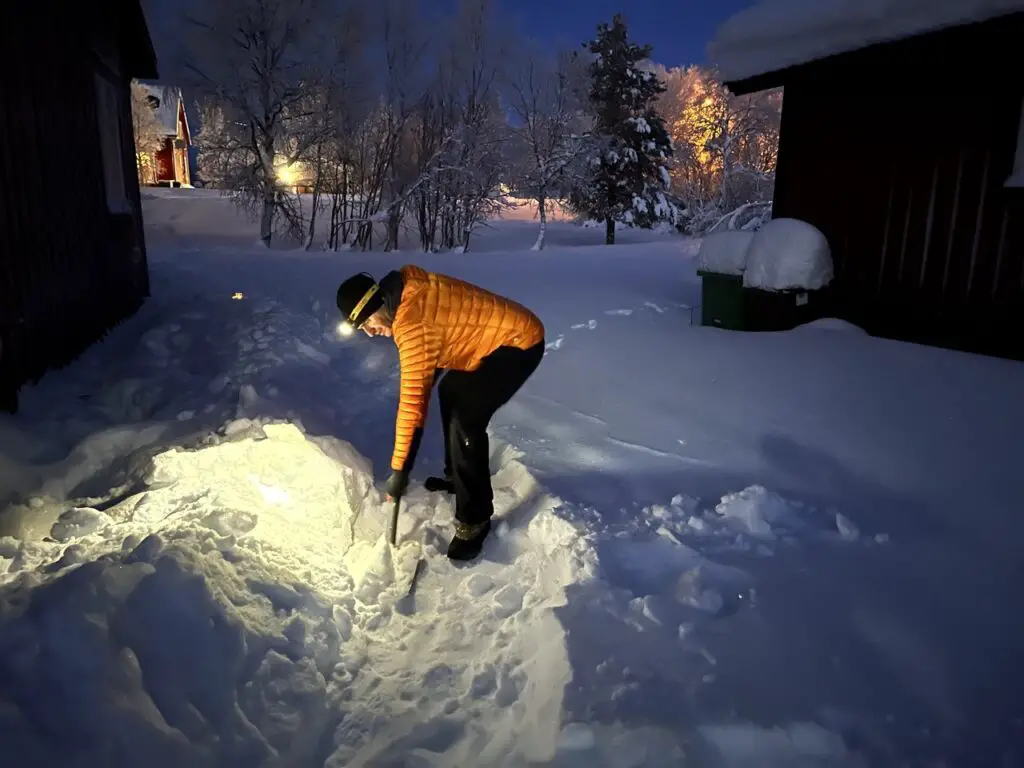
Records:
x=170, y=165
x=72, y=251
x=902, y=139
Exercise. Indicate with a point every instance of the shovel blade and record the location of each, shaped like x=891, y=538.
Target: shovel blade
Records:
x=381, y=572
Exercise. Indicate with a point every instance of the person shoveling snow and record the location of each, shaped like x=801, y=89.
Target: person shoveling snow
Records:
x=487, y=344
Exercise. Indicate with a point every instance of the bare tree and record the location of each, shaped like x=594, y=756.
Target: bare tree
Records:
x=254, y=62
x=405, y=83
x=552, y=130
x=148, y=133
x=349, y=104
x=475, y=161
x=726, y=147
x=337, y=108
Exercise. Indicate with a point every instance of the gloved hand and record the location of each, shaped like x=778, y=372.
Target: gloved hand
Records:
x=396, y=485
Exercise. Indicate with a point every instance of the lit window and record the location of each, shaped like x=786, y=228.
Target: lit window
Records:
x=108, y=123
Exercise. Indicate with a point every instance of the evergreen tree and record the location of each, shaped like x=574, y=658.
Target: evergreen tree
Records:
x=628, y=174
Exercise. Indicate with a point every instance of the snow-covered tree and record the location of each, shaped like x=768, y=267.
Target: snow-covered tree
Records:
x=725, y=149
x=629, y=173
x=551, y=128
x=147, y=131
x=255, y=64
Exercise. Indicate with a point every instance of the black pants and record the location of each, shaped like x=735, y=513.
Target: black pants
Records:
x=468, y=401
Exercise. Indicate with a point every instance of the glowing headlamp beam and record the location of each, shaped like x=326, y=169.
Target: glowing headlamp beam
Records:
x=345, y=329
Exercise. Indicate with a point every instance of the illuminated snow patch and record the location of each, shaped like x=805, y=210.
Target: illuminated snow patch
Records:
x=238, y=610
x=284, y=496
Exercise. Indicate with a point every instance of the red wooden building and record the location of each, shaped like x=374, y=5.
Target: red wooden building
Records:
x=170, y=164
x=72, y=254
x=902, y=139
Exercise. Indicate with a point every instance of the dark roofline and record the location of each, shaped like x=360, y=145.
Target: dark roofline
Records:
x=779, y=77
x=764, y=82
x=134, y=41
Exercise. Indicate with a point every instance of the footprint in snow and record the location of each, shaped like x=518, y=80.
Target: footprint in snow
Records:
x=591, y=324
x=622, y=312
x=507, y=601
x=556, y=344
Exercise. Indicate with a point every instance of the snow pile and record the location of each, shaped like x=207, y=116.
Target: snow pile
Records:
x=725, y=252
x=756, y=509
x=788, y=254
x=216, y=617
x=831, y=324
x=775, y=34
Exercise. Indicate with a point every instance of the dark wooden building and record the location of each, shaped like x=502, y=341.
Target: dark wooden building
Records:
x=909, y=155
x=72, y=254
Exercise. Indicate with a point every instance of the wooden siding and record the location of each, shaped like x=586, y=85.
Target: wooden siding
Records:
x=70, y=269
x=164, y=161
x=900, y=157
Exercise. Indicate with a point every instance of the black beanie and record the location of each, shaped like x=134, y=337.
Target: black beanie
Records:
x=354, y=290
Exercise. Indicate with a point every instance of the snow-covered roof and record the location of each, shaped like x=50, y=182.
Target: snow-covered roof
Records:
x=775, y=34
x=167, y=113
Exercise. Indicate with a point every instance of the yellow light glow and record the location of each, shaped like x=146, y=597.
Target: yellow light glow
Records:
x=345, y=329
x=237, y=295
x=288, y=175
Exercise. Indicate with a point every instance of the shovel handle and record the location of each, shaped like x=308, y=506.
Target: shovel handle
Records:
x=393, y=526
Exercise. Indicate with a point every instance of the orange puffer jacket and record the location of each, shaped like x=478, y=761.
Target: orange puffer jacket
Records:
x=443, y=322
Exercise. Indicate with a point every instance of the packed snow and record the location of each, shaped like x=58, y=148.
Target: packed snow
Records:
x=725, y=252
x=713, y=548
x=787, y=254
x=775, y=34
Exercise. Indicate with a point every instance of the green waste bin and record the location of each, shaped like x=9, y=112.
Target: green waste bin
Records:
x=782, y=310
x=722, y=300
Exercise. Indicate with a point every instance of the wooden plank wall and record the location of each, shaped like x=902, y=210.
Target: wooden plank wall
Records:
x=70, y=270
x=901, y=160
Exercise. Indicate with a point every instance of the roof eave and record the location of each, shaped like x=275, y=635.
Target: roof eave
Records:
x=762, y=82
x=777, y=78
x=184, y=114
x=135, y=41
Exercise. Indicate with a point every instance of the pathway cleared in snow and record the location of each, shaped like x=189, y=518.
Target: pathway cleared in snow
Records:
x=716, y=550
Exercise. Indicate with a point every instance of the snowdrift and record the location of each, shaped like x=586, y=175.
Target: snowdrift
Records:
x=217, y=617
x=227, y=611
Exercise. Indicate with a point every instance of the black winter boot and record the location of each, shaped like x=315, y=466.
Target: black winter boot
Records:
x=468, y=540
x=440, y=484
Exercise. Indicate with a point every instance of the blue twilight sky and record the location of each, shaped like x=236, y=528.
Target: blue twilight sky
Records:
x=679, y=30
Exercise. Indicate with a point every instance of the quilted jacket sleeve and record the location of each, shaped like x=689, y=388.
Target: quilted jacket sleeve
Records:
x=419, y=349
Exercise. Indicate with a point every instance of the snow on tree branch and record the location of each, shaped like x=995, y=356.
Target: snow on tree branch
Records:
x=628, y=170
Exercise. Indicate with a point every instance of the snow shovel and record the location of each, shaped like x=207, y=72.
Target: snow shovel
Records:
x=393, y=525
x=383, y=570
x=405, y=561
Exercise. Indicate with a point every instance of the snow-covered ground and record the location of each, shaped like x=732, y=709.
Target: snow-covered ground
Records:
x=716, y=549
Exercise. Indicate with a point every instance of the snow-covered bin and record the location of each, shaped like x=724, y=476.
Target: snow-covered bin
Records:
x=788, y=268
x=725, y=252
x=788, y=254
x=722, y=260
x=769, y=280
